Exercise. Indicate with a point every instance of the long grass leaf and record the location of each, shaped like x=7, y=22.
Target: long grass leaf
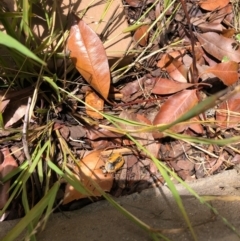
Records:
x=26, y=209
x=10, y=42
x=35, y=212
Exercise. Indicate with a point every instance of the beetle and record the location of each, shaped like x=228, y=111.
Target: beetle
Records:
x=114, y=163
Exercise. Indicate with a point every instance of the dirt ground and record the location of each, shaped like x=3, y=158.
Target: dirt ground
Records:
x=156, y=207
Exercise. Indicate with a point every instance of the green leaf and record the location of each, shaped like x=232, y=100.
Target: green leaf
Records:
x=53, y=84
x=35, y=212
x=14, y=44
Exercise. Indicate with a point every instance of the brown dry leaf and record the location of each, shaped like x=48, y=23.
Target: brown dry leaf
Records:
x=196, y=127
x=14, y=112
x=210, y=27
x=175, y=54
x=176, y=69
x=165, y=86
x=185, y=164
x=219, y=46
x=89, y=57
x=135, y=3
x=227, y=114
x=174, y=107
x=228, y=33
x=227, y=72
x=77, y=132
x=201, y=71
x=96, y=102
x=133, y=90
x=144, y=138
x=139, y=33
x=90, y=171
x=211, y=5
x=64, y=131
x=13, y=95
x=3, y=105
x=7, y=164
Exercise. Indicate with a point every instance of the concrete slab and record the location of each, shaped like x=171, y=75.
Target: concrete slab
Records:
x=100, y=221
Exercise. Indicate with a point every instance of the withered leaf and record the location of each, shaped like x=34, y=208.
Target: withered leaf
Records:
x=219, y=46
x=89, y=57
x=90, y=170
x=174, y=107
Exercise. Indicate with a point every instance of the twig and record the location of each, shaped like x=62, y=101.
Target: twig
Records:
x=25, y=146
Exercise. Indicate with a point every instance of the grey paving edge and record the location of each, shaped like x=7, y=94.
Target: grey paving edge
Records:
x=156, y=206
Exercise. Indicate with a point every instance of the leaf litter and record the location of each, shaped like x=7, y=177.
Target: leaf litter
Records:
x=157, y=90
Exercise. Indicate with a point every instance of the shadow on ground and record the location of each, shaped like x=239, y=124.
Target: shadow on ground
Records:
x=156, y=207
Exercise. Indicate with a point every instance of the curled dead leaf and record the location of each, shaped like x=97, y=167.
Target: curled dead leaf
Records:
x=89, y=56
x=220, y=47
x=141, y=35
x=165, y=86
x=90, y=171
x=96, y=102
x=211, y=5
x=173, y=108
x=227, y=72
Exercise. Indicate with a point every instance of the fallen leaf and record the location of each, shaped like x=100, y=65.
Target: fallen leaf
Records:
x=77, y=132
x=176, y=69
x=174, y=107
x=227, y=72
x=3, y=105
x=211, y=5
x=90, y=171
x=175, y=54
x=196, y=126
x=14, y=112
x=144, y=138
x=96, y=102
x=89, y=57
x=141, y=35
x=227, y=113
x=13, y=95
x=185, y=164
x=133, y=90
x=165, y=86
x=7, y=164
x=210, y=27
x=219, y=46
x=64, y=131
x=228, y=33
x=135, y=3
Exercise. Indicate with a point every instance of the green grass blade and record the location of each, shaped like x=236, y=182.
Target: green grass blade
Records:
x=10, y=42
x=202, y=140
x=170, y=185
x=35, y=212
x=70, y=178
x=25, y=17
x=1, y=121
x=26, y=209
x=14, y=172
x=17, y=185
x=53, y=84
x=203, y=106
